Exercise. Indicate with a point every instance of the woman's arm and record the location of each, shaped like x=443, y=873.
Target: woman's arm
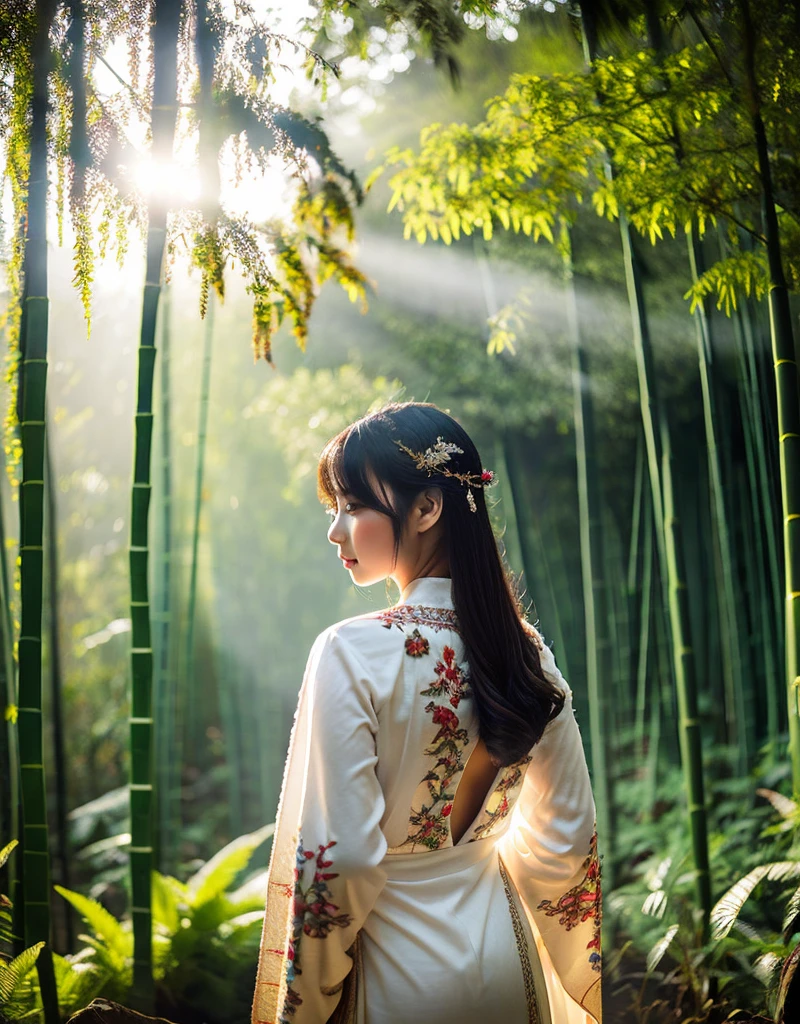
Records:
x=325, y=873
x=550, y=850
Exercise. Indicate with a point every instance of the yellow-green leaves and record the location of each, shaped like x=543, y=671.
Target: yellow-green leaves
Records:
x=680, y=145
x=726, y=279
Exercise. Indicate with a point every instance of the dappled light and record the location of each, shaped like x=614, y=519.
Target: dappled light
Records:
x=231, y=230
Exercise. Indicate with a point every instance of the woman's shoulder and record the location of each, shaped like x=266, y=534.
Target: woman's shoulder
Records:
x=546, y=658
x=366, y=635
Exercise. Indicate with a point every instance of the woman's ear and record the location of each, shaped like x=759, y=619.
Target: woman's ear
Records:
x=427, y=508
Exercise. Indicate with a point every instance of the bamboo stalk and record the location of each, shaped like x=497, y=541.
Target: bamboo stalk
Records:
x=644, y=627
x=667, y=535
x=56, y=688
x=165, y=45
x=592, y=565
x=764, y=641
x=788, y=399
x=533, y=551
x=510, y=537
x=9, y=764
x=689, y=726
x=202, y=431
x=33, y=381
x=164, y=683
x=729, y=626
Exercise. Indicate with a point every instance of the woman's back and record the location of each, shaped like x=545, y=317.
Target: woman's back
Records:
x=432, y=764
x=399, y=837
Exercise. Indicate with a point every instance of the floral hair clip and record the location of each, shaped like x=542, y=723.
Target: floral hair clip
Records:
x=432, y=460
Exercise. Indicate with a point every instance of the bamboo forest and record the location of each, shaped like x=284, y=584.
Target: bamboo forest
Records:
x=232, y=227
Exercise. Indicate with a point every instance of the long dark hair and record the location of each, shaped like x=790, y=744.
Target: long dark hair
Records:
x=514, y=700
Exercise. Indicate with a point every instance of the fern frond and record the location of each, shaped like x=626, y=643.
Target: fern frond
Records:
x=727, y=909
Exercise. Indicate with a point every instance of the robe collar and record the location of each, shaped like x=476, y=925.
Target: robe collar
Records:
x=431, y=591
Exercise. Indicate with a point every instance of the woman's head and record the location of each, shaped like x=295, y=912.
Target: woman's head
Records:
x=395, y=518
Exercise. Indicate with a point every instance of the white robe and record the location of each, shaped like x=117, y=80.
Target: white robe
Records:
x=505, y=925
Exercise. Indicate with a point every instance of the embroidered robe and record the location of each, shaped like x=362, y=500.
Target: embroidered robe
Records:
x=373, y=915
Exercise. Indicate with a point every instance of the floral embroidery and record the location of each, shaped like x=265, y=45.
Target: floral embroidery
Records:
x=417, y=644
x=428, y=824
x=293, y=1000
x=410, y=614
x=450, y=680
x=583, y=902
x=315, y=915
x=502, y=799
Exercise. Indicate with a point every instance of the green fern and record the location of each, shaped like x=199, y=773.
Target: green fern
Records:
x=104, y=924
x=13, y=973
x=727, y=909
x=218, y=874
x=6, y=852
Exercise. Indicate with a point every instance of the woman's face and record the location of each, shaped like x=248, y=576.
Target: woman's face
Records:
x=365, y=540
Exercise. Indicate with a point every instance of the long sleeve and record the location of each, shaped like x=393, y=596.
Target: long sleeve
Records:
x=325, y=872
x=550, y=851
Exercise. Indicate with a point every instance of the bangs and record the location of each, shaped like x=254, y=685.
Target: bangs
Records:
x=344, y=467
x=330, y=470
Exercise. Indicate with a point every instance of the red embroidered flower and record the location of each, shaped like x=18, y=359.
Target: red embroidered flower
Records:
x=446, y=810
x=417, y=644
x=444, y=717
x=487, y=476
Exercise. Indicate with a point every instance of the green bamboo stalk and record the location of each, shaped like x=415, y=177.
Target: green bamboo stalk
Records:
x=761, y=417
x=667, y=534
x=56, y=687
x=683, y=660
x=755, y=563
x=202, y=431
x=9, y=764
x=533, y=551
x=165, y=46
x=726, y=596
x=164, y=682
x=788, y=397
x=592, y=566
x=33, y=380
x=644, y=628
x=510, y=536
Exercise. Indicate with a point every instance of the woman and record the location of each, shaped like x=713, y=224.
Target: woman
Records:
x=435, y=858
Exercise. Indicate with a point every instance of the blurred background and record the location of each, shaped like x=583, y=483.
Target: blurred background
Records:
x=242, y=577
